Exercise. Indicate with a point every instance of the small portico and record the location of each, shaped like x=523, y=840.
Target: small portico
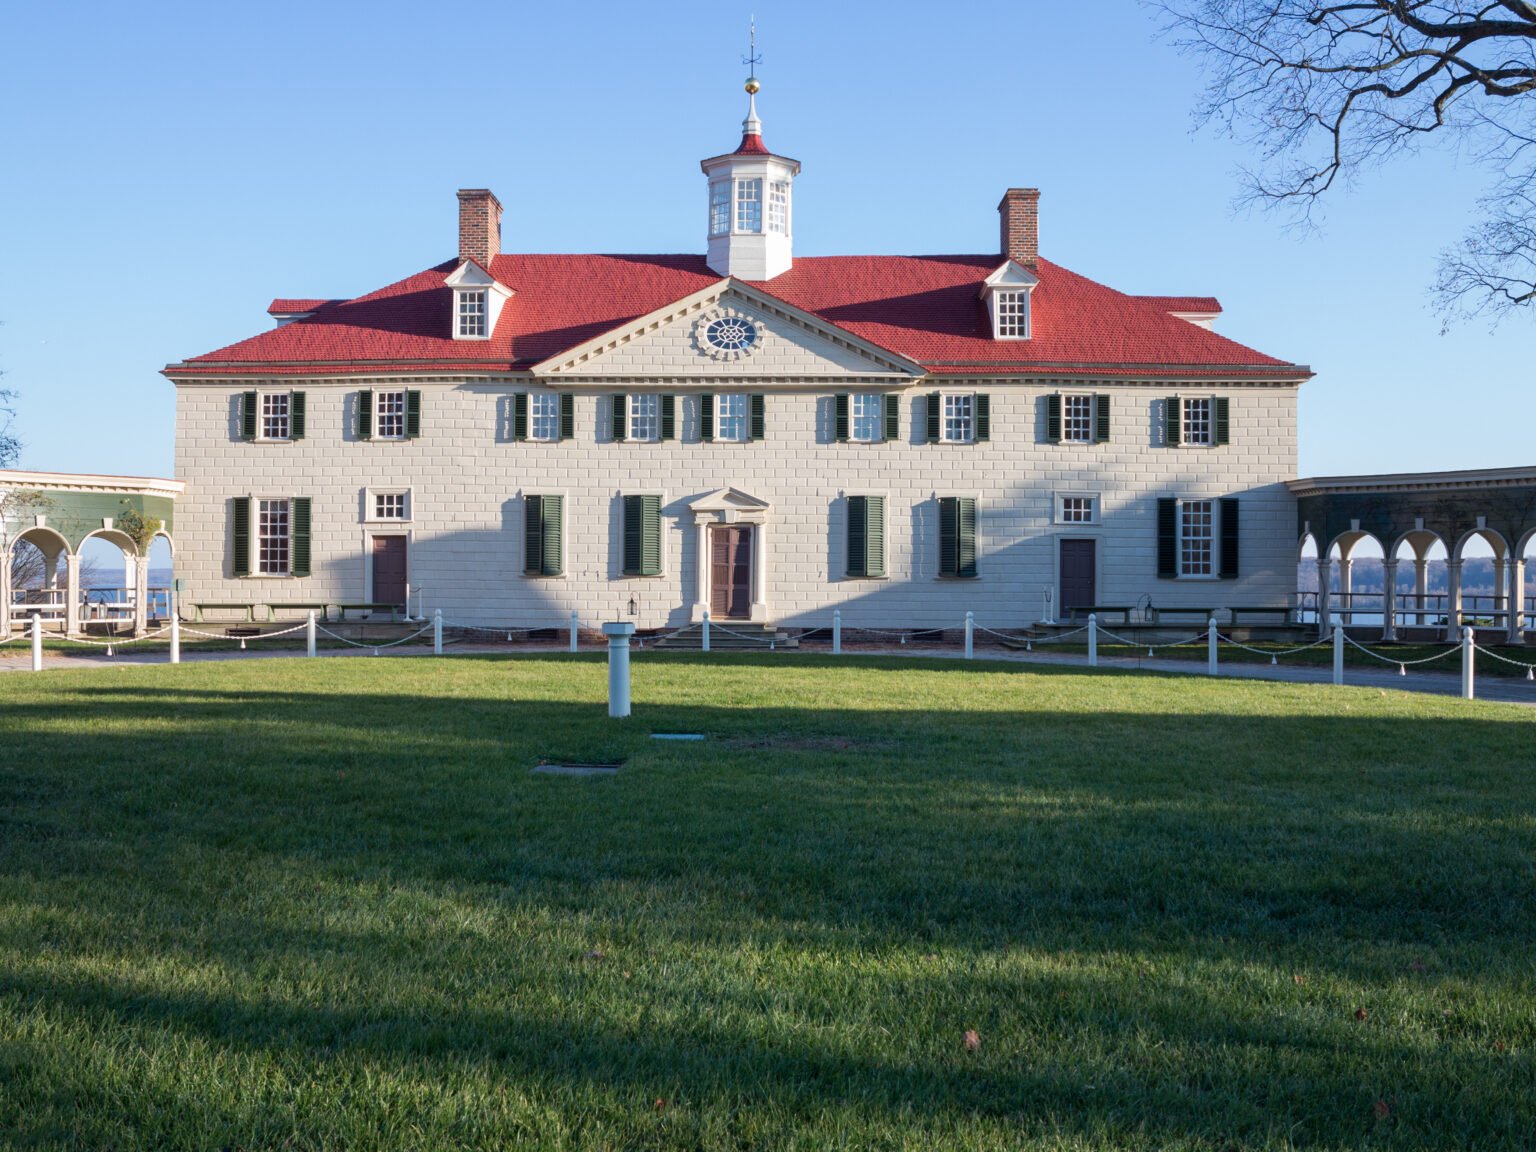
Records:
x=731, y=551
x=56, y=513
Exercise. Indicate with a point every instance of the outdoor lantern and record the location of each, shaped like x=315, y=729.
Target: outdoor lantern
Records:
x=632, y=606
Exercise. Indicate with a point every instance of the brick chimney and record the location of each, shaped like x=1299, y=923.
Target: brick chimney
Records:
x=479, y=225
x=1019, y=217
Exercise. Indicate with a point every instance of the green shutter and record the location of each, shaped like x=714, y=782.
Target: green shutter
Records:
x=967, y=536
x=248, y=403
x=1223, y=420
x=533, y=535
x=642, y=535
x=1228, y=565
x=567, y=416
x=618, y=411
x=1167, y=537
x=892, y=416
x=365, y=415
x=1101, y=423
x=412, y=414
x=707, y=416
x=299, y=555
x=1053, y=417
x=1172, y=409
x=668, y=417
x=983, y=416
x=295, y=415
x=554, y=531
x=933, y=417
x=874, y=552
x=957, y=536
x=242, y=536
x=756, y=405
x=858, y=536
x=840, y=417
x=519, y=415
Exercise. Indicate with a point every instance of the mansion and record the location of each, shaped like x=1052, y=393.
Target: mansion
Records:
x=767, y=437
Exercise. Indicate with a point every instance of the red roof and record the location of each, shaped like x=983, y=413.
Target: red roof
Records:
x=1184, y=303
x=925, y=308
x=283, y=306
x=752, y=145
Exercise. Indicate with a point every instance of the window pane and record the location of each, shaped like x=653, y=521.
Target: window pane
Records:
x=719, y=208
x=1012, y=319
x=868, y=416
x=731, y=417
x=1197, y=421
x=1077, y=418
x=957, y=418
x=272, y=559
x=749, y=205
x=778, y=206
x=274, y=416
x=1077, y=509
x=1196, y=521
x=472, y=313
x=644, y=419
x=389, y=409
x=389, y=506
x=545, y=416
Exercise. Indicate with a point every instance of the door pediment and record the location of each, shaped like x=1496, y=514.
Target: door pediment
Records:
x=728, y=506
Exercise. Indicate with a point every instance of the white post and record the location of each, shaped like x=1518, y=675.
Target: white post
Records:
x=704, y=633
x=175, y=638
x=437, y=632
x=575, y=625
x=407, y=616
x=1338, y=652
x=37, y=642
x=1093, y=639
x=1048, y=611
x=970, y=635
x=309, y=634
x=1468, y=660
x=837, y=631
x=618, y=667
x=1210, y=649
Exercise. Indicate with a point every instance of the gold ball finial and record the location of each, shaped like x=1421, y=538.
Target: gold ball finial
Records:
x=752, y=86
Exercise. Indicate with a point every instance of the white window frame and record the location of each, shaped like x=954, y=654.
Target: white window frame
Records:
x=549, y=402
x=379, y=414
x=734, y=407
x=1193, y=403
x=262, y=416
x=952, y=400
x=720, y=207
x=371, y=505
x=873, y=405
x=778, y=207
x=1208, y=539
x=1062, y=515
x=472, y=313
x=260, y=536
x=1011, y=313
x=748, y=216
x=642, y=409
x=1084, y=403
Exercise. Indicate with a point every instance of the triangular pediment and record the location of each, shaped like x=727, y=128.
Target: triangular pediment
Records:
x=470, y=275
x=730, y=329
x=1010, y=275
x=727, y=500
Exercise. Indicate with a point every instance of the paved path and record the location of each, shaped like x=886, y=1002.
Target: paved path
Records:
x=16, y=657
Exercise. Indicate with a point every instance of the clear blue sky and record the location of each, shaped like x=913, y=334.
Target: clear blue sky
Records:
x=170, y=168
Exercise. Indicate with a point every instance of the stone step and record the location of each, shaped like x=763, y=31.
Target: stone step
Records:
x=746, y=638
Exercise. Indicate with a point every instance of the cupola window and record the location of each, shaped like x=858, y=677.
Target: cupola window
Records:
x=719, y=207
x=749, y=205
x=778, y=207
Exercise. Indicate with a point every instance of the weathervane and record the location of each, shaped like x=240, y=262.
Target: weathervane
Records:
x=752, y=60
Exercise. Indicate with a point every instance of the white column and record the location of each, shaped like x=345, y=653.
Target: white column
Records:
x=760, y=572
x=1420, y=585
x=6, y=592
x=1324, y=593
x=1453, y=600
x=1346, y=586
x=1389, y=600
x=1514, y=585
x=701, y=591
x=72, y=594
x=140, y=595
x=618, y=635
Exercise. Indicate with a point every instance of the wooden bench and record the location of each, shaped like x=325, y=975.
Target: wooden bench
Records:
x=1276, y=615
x=1083, y=611
x=392, y=609
x=276, y=610
x=201, y=606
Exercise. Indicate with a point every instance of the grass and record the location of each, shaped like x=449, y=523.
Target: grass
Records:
x=291, y=904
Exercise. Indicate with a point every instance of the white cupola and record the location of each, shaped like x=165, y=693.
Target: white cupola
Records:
x=751, y=204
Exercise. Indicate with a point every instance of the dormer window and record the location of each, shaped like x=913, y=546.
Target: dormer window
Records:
x=472, y=314
x=1008, y=292
x=1012, y=315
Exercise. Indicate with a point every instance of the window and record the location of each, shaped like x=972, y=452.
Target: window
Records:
x=749, y=205
x=1077, y=509
x=778, y=206
x=640, y=416
x=957, y=536
x=1012, y=311
x=868, y=417
x=389, y=506
x=719, y=207
x=393, y=415
x=731, y=416
x=1077, y=418
x=1198, y=420
x=642, y=535
x=274, y=416
x=553, y=416
x=543, y=533
x=390, y=412
x=866, y=536
x=957, y=419
x=644, y=416
x=1197, y=523
x=280, y=537
x=272, y=538
x=546, y=416
x=472, y=314
x=1187, y=540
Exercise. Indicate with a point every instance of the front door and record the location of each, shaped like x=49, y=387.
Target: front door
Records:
x=389, y=570
x=730, y=580
x=1079, y=588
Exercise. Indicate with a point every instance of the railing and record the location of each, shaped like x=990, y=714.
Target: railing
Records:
x=1414, y=610
x=118, y=603
x=49, y=603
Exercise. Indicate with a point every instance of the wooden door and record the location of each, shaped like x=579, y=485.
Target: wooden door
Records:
x=389, y=570
x=1079, y=586
x=730, y=581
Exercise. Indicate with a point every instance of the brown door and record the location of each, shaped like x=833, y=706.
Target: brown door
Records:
x=1078, y=586
x=730, y=581
x=389, y=570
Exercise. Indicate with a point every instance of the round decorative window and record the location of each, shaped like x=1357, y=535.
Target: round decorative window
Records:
x=726, y=334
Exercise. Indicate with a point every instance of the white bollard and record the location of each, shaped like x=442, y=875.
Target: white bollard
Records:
x=1468, y=661
x=1338, y=652
x=837, y=631
x=437, y=632
x=1210, y=650
x=309, y=634
x=175, y=638
x=37, y=642
x=618, y=667
x=575, y=625
x=1093, y=639
x=704, y=633
x=970, y=635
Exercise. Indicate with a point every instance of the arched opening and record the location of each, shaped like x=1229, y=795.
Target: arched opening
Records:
x=37, y=575
x=1306, y=580
x=1480, y=583
x=109, y=577
x=1525, y=584
x=1420, y=600
x=1357, y=593
x=162, y=577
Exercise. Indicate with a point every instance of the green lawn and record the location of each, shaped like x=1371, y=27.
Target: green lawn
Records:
x=324, y=904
